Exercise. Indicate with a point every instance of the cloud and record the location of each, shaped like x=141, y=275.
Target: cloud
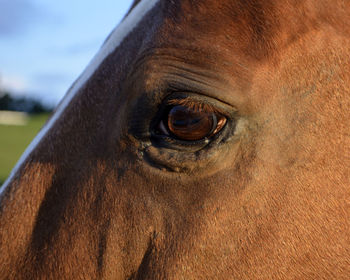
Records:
x=49, y=88
x=15, y=84
x=17, y=15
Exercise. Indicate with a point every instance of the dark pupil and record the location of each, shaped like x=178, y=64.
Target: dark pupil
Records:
x=190, y=124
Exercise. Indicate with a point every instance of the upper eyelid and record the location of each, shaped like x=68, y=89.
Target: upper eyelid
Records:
x=194, y=105
x=200, y=102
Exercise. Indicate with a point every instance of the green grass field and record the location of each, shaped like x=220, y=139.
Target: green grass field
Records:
x=14, y=140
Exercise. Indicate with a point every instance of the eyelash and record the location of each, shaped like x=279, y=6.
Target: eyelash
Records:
x=194, y=105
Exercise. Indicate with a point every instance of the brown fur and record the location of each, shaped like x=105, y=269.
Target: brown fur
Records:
x=269, y=199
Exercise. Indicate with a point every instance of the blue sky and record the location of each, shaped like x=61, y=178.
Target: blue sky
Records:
x=45, y=45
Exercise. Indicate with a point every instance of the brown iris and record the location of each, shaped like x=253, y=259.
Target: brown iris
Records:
x=193, y=123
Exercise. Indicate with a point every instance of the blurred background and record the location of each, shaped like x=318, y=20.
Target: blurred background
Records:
x=44, y=46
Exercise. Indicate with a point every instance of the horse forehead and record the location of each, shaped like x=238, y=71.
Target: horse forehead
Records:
x=203, y=26
x=206, y=26
x=205, y=32
x=260, y=19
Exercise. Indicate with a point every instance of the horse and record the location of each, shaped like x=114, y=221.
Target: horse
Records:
x=206, y=140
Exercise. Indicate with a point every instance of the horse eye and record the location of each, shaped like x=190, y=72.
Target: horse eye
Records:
x=191, y=124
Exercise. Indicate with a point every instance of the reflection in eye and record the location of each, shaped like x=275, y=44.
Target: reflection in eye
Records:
x=191, y=122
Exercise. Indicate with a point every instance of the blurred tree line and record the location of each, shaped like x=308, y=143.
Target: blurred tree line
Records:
x=22, y=104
